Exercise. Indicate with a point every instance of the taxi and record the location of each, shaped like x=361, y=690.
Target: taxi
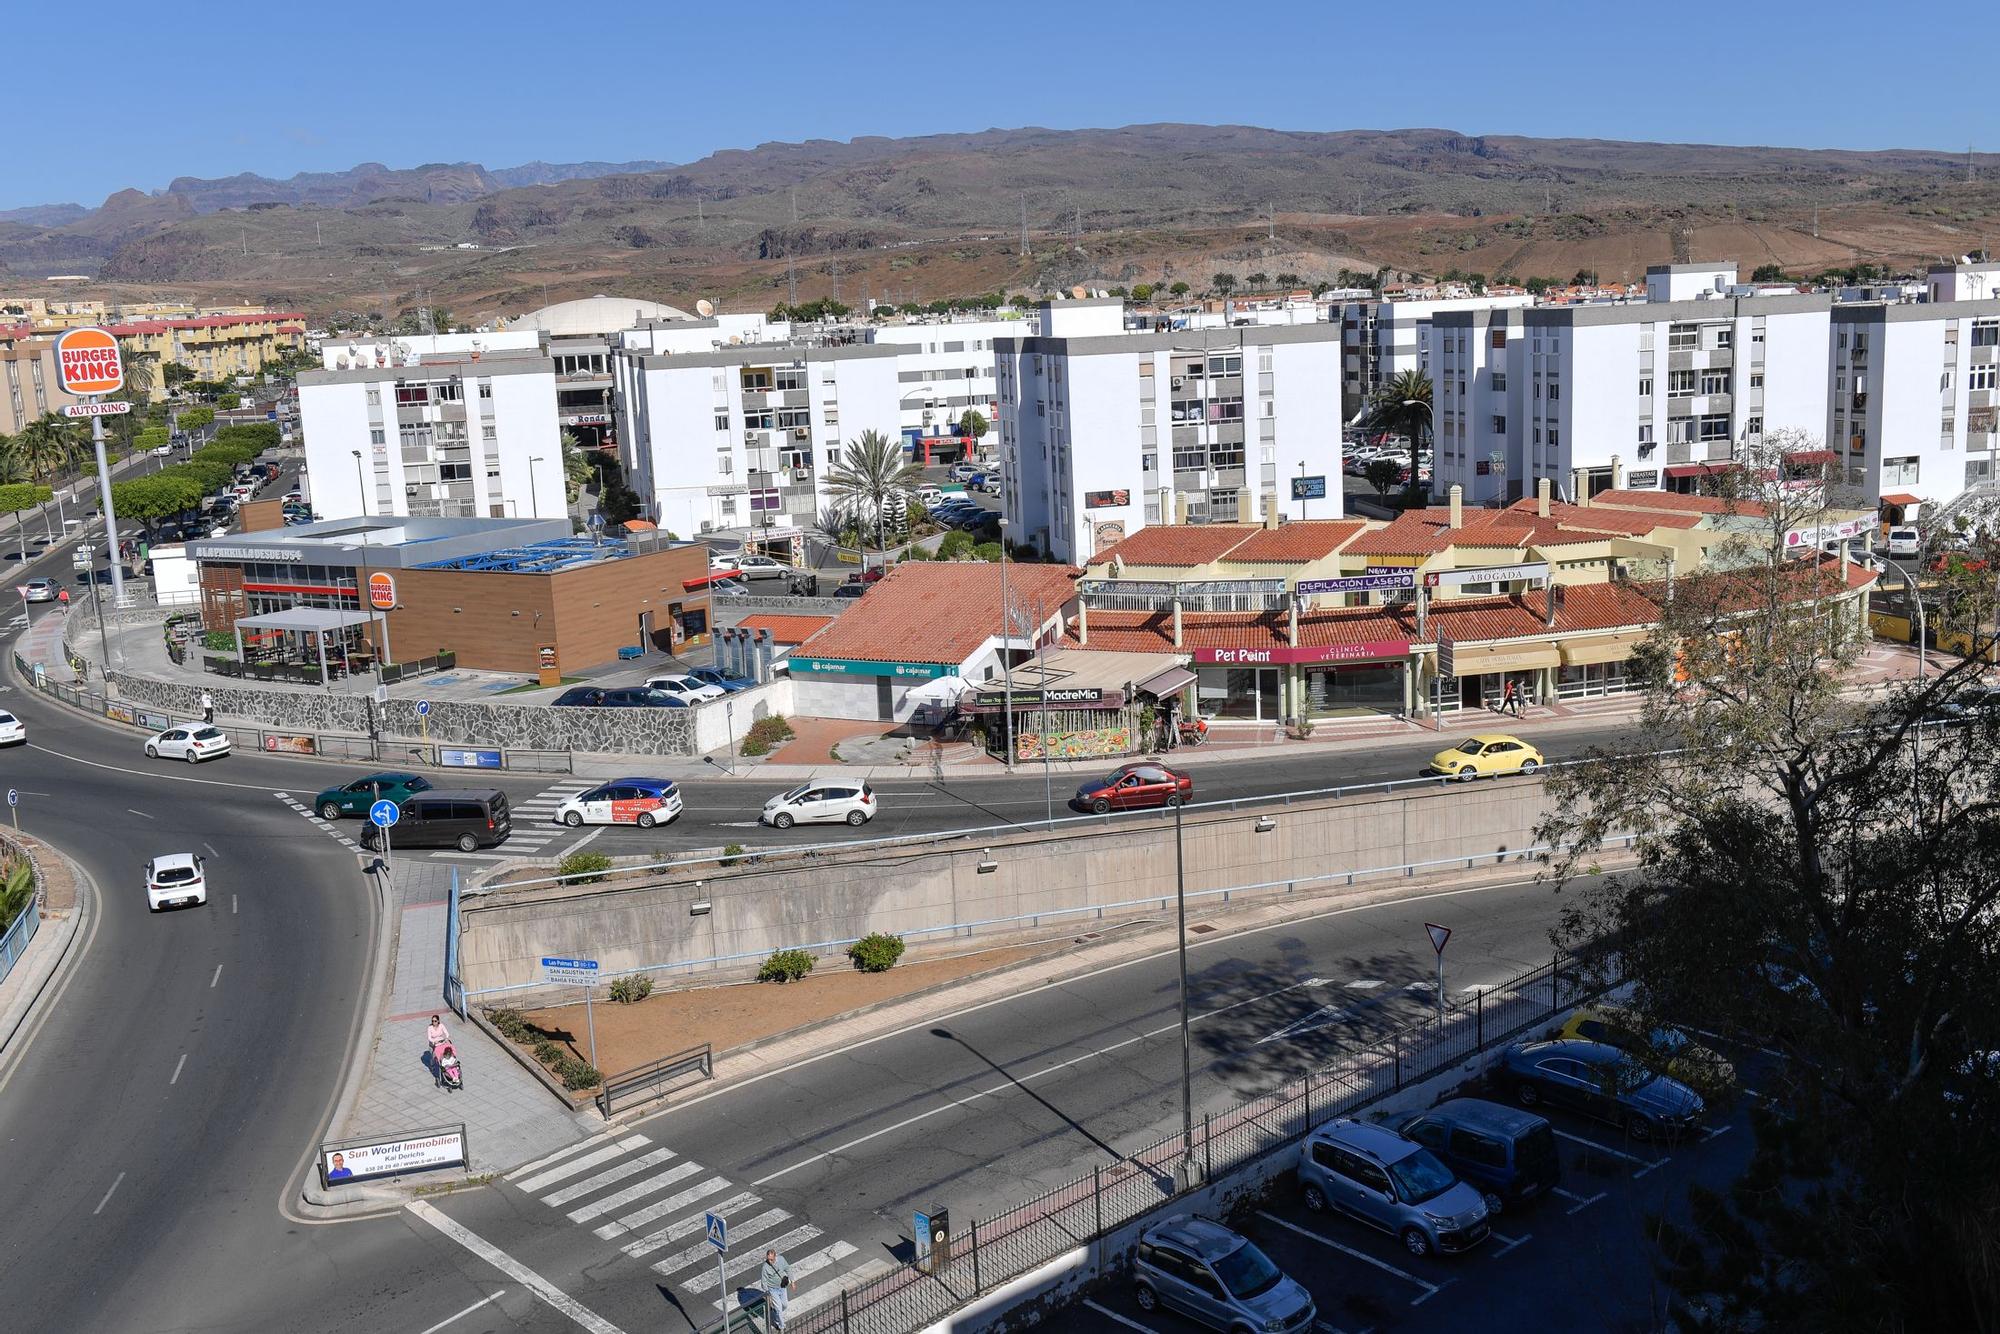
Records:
x=644, y=802
x=1487, y=755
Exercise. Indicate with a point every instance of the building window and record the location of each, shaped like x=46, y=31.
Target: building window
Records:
x=1715, y=427
x=1985, y=333
x=1753, y=426
x=1555, y=437
x=1499, y=426
x=488, y=431
x=1978, y=470
x=374, y=397
x=1499, y=383
x=1555, y=390
x=412, y=395
x=1680, y=384
x=1683, y=337
x=1715, y=382
x=1725, y=337
x=1757, y=380
x=1645, y=386
x=1982, y=377
x=1899, y=472
x=1645, y=433
x=376, y=436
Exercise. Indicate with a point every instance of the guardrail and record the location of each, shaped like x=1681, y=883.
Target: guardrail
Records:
x=994, y=1251
x=15, y=942
x=652, y=1078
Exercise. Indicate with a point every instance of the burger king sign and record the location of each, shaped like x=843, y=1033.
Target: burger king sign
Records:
x=88, y=362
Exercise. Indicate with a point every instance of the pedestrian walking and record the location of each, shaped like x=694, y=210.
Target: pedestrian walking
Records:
x=207, y=707
x=776, y=1281
x=1510, y=699
x=63, y=599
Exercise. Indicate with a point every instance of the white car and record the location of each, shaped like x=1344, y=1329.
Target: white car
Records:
x=761, y=567
x=686, y=687
x=174, y=880
x=40, y=590
x=721, y=565
x=641, y=801
x=189, y=741
x=13, y=732
x=1905, y=541
x=827, y=801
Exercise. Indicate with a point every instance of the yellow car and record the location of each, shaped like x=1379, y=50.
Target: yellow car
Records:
x=1489, y=754
x=1666, y=1050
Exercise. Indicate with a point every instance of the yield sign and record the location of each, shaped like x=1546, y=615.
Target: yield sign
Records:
x=1439, y=935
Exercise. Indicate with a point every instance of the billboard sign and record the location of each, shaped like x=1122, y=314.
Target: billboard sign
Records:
x=1305, y=653
x=469, y=759
x=382, y=591
x=1358, y=583
x=859, y=667
x=1097, y=500
x=1486, y=574
x=1309, y=488
x=88, y=362
x=118, y=409
x=365, y=1160
x=1828, y=532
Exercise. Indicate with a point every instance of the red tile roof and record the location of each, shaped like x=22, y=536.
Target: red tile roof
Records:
x=1306, y=540
x=1674, y=501
x=940, y=611
x=1901, y=498
x=1593, y=518
x=201, y=322
x=1178, y=544
x=785, y=629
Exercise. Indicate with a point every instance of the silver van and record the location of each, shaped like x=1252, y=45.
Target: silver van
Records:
x=1376, y=1175
x=1217, y=1278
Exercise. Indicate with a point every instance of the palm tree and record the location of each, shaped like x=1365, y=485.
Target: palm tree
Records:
x=875, y=472
x=48, y=445
x=1403, y=405
x=139, y=379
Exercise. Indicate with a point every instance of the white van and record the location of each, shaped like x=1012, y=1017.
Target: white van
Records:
x=1905, y=540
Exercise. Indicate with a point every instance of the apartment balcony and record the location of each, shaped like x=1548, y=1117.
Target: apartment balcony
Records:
x=1681, y=453
x=1720, y=451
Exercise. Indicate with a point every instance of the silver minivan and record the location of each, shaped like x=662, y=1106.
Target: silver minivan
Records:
x=1372, y=1173
x=1217, y=1278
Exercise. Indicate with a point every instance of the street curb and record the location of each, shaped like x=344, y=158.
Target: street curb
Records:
x=72, y=926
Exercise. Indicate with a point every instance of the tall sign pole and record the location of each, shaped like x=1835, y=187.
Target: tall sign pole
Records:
x=89, y=365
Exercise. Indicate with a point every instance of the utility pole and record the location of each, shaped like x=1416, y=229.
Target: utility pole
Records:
x=1815, y=222
x=791, y=262
x=318, y=238
x=244, y=232
x=1024, y=224
x=1272, y=210
x=700, y=215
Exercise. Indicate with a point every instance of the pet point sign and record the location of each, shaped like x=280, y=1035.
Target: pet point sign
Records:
x=88, y=362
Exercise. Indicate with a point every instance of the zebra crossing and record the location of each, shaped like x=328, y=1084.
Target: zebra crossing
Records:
x=653, y=1204
x=331, y=828
x=534, y=824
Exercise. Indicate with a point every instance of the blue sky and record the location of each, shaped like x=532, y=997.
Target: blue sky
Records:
x=500, y=82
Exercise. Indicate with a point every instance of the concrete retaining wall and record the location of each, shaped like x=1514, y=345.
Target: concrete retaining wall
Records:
x=825, y=901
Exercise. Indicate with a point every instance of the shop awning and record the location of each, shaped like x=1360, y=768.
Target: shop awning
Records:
x=1170, y=682
x=1504, y=658
x=1810, y=458
x=1902, y=498
x=304, y=620
x=1698, y=469
x=1601, y=648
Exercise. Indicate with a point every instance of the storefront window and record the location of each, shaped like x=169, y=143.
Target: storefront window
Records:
x=1238, y=692
x=1592, y=679
x=1357, y=688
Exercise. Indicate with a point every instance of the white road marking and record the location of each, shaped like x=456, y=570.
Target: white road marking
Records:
x=177, y=1069
x=1581, y=1203
x=1110, y=1314
x=812, y=1264
x=217, y=978
x=462, y=1314
x=743, y=1264
x=232, y=905
x=529, y=1169
x=609, y=1203
x=1430, y=1289
x=589, y=1160
x=686, y=1227
x=1366, y=984
x=1326, y=1016
x=630, y=1167
x=212, y=852
x=702, y=1250
x=1511, y=1242
x=1713, y=1131
x=107, y=1196
x=548, y=1292
x=654, y=1212
x=1601, y=1148
x=141, y=814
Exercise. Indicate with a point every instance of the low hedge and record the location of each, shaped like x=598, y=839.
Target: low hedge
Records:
x=786, y=966
x=876, y=952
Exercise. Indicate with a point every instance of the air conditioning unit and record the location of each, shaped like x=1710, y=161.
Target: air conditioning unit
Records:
x=800, y=433
x=1179, y=381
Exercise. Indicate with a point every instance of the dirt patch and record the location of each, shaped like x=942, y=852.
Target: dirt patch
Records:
x=732, y=1015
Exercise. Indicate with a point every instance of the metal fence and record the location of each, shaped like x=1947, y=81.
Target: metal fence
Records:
x=655, y=1079
x=996, y=1250
x=15, y=942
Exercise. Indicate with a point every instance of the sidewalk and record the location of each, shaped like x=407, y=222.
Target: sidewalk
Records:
x=509, y=1118
x=64, y=912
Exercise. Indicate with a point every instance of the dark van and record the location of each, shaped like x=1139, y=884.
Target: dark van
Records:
x=1507, y=1154
x=462, y=818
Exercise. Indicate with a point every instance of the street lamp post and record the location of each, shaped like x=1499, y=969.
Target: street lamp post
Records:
x=534, y=494
x=364, y=598
x=1303, y=502
x=1006, y=643
x=1187, y=1059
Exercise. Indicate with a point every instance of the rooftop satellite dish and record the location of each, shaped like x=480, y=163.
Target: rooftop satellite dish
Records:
x=734, y=339
x=704, y=308
x=342, y=361
x=1077, y=291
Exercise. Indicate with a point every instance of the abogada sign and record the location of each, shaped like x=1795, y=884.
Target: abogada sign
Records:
x=87, y=362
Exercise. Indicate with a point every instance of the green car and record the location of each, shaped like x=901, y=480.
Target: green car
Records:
x=355, y=798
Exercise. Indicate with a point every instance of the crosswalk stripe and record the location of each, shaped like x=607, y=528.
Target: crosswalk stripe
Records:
x=529, y=1169
x=472, y=856
x=804, y=1299
x=616, y=1172
x=588, y=1161
x=652, y=1213
x=682, y=1259
x=743, y=1264
x=597, y=1208
x=685, y=1227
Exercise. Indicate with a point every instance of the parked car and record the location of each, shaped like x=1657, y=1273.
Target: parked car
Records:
x=1217, y=1278
x=464, y=818
x=685, y=688
x=821, y=802
x=644, y=802
x=176, y=880
x=620, y=697
x=1487, y=755
x=728, y=685
x=1599, y=1080
x=721, y=565
x=756, y=566
x=40, y=590
x=13, y=732
x=188, y=741
x=850, y=590
x=962, y=472
x=1132, y=786
x=728, y=588
x=1904, y=540
x=1373, y=1174
x=1507, y=1154
x=1660, y=1047
x=356, y=797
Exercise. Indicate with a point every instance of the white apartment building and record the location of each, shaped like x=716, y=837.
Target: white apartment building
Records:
x=1915, y=389
x=945, y=368
x=453, y=431
x=1103, y=431
x=720, y=429
x=1382, y=338
x=1651, y=394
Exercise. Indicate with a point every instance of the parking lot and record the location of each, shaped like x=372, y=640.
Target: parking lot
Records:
x=1580, y=1259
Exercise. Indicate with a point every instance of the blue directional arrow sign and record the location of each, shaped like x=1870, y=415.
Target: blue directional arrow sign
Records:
x=385, y=813
x=718, y=1231
x=423, y=708
x=13, y=796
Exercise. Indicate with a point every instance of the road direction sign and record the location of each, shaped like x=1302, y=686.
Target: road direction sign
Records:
x=718, y=1231
x=384, y=813
x=576, y=972
x=109, y=409
x=423, y=708
x=13, y=796
x=1439, y=935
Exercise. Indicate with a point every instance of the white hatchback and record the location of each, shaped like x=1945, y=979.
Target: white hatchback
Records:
x=755, y=566
x=13, y=732
x=686, y=687
x=821, y=802
x=189, y=741
x=177, y=879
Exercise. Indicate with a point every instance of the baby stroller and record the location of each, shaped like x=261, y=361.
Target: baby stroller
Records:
x=444, y=1062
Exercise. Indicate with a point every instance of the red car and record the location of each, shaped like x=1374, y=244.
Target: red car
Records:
x=1133, y=786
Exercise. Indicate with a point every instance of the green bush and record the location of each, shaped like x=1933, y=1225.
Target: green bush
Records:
x=547, y=1051
x=876, y=952
x=586, y=868
x=765, y=733
x=956, y=544
x=625, y=990
x=988, y=552
x=786, y=966
x=510, y=1023
x=576, y=1074
x=222, y=641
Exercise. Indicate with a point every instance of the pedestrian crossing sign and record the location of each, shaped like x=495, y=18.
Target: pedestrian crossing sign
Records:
x=718, y=1231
